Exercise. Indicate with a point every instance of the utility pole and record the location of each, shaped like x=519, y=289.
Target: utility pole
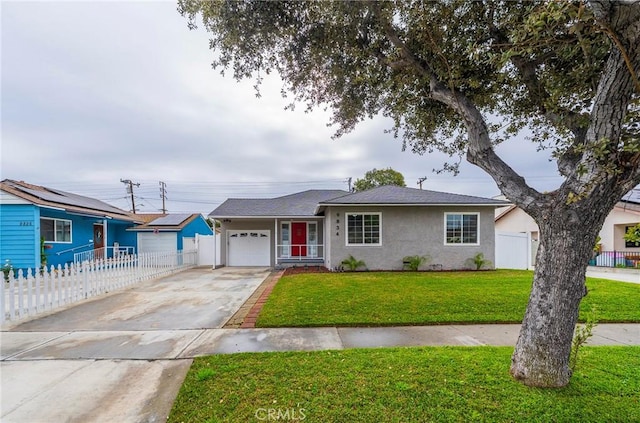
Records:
x=130, y=185
x=163, y=195
x=421, y=180
x=349, y=182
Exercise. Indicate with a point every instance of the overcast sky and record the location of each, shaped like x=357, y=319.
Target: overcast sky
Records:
x=95, y=92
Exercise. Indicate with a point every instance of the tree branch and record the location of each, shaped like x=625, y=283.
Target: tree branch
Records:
x=617, y=86
x=480, y=149
x=537, y=93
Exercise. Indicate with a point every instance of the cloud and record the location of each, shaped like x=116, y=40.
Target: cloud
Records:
x=97, y=91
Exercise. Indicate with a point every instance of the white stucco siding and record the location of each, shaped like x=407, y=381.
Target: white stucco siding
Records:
x=517, y=221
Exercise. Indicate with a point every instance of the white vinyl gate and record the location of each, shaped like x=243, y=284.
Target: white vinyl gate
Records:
x=513, y=250
x=208, y=250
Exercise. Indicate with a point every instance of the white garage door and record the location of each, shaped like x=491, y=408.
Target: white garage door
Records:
x=249, y=248
x=162, y=242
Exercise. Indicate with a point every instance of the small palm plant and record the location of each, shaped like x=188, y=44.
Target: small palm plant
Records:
x=352, y=263
x=413, y=263
x=479, y=261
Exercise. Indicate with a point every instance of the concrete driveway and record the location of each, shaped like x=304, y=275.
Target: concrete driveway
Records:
x=116, y=358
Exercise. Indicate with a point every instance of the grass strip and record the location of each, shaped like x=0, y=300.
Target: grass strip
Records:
x=424, y=384
x=418, y=298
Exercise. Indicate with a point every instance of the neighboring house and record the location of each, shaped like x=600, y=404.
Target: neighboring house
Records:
x=624, y=215
x=69, y=224
x=169, y=233
x=75, y=227
x=380, y=226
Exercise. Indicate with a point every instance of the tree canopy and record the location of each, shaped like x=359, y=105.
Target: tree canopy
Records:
x=461, y=77
x=378, y=177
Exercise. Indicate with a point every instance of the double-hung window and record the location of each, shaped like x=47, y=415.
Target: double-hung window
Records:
x=55, y=230
x=364, y=229
x=461, y=229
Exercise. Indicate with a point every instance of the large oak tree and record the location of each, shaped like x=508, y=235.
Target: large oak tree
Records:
x=462, y=76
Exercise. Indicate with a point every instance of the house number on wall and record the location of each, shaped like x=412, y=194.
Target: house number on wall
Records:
x=26, y=223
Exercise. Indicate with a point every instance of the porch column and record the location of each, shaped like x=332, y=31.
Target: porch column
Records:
x=104, y=235
x=275, y=240
x=326, y=239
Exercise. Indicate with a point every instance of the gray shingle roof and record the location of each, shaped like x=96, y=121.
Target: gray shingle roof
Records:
x=391, y=194
x=298, y=204
x=308, y=203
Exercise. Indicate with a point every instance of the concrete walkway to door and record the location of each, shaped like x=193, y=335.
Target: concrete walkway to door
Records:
x=116, y=358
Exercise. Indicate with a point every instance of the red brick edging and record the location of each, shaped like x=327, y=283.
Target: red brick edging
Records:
x=250, y=319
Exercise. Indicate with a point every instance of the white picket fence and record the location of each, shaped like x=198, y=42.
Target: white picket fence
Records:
x=40, y=291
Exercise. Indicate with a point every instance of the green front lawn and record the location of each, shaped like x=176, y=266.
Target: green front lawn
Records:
x=416, y=298
x=446, y=384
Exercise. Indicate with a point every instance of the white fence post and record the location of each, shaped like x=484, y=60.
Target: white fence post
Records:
x=39, y=306
x=29, y=298
x=12, y=305
x=3, y=289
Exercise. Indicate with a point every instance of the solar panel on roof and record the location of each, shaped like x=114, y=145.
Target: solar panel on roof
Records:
x=170, y=220
x=71, y=200
x=633, y=196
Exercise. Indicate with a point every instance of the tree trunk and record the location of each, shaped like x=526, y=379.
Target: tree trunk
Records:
x=541, y=356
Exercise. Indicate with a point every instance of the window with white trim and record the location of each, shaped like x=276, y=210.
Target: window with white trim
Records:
x=461, y=228
x=364, y=229
x=55, y=230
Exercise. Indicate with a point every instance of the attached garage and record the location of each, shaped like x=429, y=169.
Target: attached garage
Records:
x=249, y=248
x=162, y=242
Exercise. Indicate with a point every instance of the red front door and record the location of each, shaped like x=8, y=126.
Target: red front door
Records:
x=98, y=241
x=299, y=239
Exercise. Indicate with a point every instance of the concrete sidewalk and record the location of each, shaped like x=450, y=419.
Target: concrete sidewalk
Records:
x=614, y=274
x=187, y=344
